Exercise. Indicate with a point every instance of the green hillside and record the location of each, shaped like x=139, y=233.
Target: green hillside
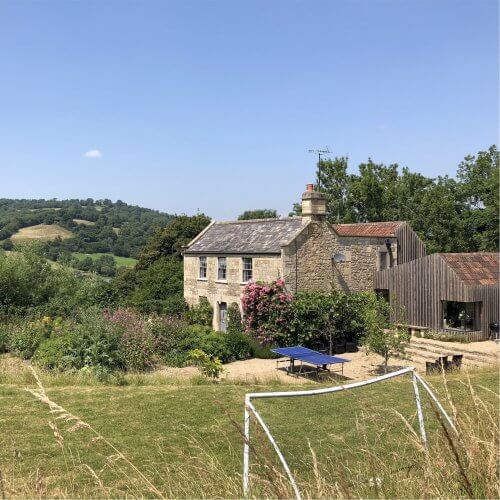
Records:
x=66, y=229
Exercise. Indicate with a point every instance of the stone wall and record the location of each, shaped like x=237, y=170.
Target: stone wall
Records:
x=265, y=268
x=308, y=264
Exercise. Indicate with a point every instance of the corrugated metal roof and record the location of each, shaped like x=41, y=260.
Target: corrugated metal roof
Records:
x=247, y=237
x=479, y=268
x=369, y=229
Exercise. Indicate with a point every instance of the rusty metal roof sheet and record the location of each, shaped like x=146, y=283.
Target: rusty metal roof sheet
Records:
x=369, y=229
x=478, y=268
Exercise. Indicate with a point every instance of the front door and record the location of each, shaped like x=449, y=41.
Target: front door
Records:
x=223, y=317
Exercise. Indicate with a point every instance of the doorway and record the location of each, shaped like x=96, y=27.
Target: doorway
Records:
x=223, y=317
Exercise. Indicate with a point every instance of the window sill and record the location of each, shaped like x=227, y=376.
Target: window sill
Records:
x=222, y=282
x=244, y=283
x=202, y=279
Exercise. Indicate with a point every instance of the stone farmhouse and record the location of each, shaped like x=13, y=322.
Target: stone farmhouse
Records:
x=447, y=292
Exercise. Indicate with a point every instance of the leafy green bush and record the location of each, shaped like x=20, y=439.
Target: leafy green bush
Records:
x=257, y=350
x=238, y=346
x=234, y=323
x=200, y=314
x=210, y=367
x=4, y=337
x=56, y=352
x=97, y=341
x=25, y=338
x=167, y=332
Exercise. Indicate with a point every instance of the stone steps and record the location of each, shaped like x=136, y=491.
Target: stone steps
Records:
x=439, y=347
x=422, y=356
x=419, y=351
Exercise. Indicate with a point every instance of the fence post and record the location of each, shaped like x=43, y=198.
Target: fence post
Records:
x=419, y=410
x=246, y=449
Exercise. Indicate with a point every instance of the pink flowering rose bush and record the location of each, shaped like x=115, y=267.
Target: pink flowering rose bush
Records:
x=265, y=308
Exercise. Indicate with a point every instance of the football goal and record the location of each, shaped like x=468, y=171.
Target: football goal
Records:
x=251, y=411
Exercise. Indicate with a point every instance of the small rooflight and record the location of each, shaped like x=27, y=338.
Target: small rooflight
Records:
x=338, y=258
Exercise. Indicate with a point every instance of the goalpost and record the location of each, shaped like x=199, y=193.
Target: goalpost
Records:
x=250, y=409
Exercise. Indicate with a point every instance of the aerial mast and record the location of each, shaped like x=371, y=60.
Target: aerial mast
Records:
x=319, y=152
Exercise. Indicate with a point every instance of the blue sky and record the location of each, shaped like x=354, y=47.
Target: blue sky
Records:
x=214, y=104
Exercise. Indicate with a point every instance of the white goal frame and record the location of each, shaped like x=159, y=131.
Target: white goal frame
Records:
x=250, y=409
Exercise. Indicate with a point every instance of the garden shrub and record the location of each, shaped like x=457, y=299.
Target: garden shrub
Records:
x=97, y=341
x=238, y=346
x=210, y=367
x=309, y=318
x=167, y=332
x=200, y=314
x=56, y=352
x=25, y=338
x=136, y=342
x=234, y=323
x=265, y=307
x=257, y=350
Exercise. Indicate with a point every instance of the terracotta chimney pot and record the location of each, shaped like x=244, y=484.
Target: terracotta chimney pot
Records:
x=310, y=187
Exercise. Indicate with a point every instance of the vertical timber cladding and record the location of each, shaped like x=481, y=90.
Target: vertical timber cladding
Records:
x=418, y=287
x=410, y=246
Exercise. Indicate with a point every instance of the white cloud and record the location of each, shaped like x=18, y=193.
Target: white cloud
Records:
x=93, y=153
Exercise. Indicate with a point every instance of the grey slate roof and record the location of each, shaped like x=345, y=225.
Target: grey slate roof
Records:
x=261, y=236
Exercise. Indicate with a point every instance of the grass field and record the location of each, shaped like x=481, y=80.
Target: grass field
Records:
x=83, y=222
x=41, y=232
x=120, y=261
x=145, y=435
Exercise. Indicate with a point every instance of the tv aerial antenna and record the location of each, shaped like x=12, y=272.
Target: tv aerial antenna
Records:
x=320, y=153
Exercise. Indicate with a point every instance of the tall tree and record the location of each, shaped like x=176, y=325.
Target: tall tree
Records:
x=479, y=178
x=260, y=213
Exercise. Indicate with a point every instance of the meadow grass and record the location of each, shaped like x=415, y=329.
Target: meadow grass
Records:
x=120, y=261
x=70, y=435
x=41, y=232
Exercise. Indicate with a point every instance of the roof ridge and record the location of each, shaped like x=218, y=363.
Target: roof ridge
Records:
x=271, y=219
x=363, y=223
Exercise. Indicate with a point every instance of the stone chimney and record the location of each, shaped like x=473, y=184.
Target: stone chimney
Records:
x=313, y=205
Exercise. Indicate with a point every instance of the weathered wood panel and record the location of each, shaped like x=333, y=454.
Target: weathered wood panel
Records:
x=418, y=287
x=410, y=246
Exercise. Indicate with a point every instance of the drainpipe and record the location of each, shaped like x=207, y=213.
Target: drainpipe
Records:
x=389, y=250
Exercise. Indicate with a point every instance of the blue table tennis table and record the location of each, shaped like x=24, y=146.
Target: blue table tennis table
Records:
x=317, y=359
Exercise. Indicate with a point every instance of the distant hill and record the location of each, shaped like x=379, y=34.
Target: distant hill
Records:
x=65, y=227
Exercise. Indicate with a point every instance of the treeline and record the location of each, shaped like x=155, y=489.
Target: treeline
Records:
x=450, y=214
x=114, y=227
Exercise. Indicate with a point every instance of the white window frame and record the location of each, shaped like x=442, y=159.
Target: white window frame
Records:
x=247, y=272
x=221, y=268
x=202, y=267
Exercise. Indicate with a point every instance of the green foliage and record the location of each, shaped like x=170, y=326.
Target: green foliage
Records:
x=137, y=349
x=261, y=213
x=169, y=240
x=56, y=352
x=156, y=283
x=29, y=283
x=201, y=313
x=97, y=341
x=449, y=215
x=117, y=228
x=382, y=337
x=260, y=351
x=311, y=318
x=210, y=367
x=234, y=322
x=158, y=288
x=25, y=338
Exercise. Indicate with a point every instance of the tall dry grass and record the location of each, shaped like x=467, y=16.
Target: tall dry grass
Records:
x=463, y=465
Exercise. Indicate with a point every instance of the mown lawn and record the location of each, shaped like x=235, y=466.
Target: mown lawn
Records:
x=120, y=261
x=184, y=437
